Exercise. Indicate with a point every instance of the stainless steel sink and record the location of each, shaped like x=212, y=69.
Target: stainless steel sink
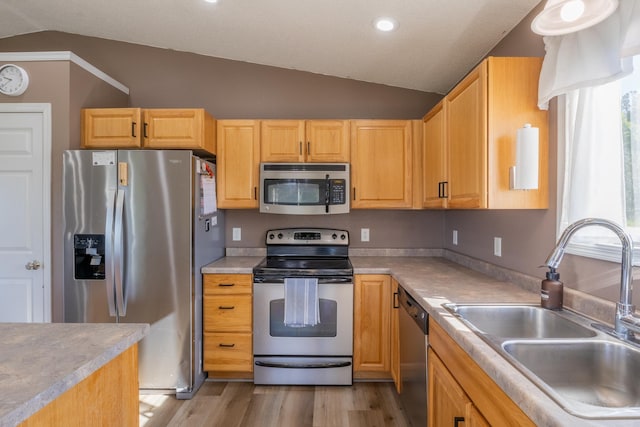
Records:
x=520, y=321
x=586, y=371
x=600, y=375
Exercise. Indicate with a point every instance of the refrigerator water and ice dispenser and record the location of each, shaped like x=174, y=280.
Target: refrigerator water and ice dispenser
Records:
x=88, y=251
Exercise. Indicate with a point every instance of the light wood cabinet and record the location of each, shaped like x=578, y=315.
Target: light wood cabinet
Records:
x=372, y=326
x=227, y=317
x=449, y=404
x=434, y=159
x=481, y=116
x=395, y=337
x=192, y=129
x=111, y=128
x=238, y=164
x=458, y=387
x=318, y=141
x=381, y=164
x=108, y=397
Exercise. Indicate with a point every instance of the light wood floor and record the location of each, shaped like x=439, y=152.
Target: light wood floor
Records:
x=242, y=404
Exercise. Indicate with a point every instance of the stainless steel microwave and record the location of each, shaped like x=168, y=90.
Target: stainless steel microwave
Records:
x=304, y=188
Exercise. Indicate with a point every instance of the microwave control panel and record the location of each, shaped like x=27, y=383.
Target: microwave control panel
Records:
x=338, y=192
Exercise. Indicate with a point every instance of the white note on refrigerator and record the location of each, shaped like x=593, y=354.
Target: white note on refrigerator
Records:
x=208, y=201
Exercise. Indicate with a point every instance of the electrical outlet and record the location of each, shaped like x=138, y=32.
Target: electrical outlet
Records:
x=237, y=234
x=497, y=246
x=455, y=237
x=364, y=234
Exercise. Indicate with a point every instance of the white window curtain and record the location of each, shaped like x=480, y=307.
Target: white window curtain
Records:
x=591, y=57
x=583, y=69
x=593, y=159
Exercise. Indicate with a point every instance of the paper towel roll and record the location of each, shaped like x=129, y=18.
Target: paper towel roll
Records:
x=527, y=143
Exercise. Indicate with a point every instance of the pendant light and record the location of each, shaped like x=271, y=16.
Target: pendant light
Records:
x=567, y=16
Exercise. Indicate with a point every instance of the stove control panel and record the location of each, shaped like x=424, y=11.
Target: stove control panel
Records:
x=300, y=236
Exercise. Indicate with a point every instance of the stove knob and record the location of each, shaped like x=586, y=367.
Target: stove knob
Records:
x=279, y=235
x=271, y=236
x=343, y=236
x=334, y=236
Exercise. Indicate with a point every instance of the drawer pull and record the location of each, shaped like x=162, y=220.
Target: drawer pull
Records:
x=226, y=285
x=226, y=345
x=226, y=307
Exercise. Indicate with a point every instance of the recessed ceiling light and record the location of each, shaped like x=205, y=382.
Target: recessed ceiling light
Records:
x=385, y=24
x=211, y=1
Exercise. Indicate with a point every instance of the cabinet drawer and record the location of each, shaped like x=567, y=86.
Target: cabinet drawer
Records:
x=228, y=352
x=226, y=284
x=227, y=313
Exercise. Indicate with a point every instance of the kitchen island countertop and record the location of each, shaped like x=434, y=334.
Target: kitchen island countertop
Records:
x=434, y=281
x=41, y=361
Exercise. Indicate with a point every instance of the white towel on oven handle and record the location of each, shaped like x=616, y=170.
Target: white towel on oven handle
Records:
x=301, y=302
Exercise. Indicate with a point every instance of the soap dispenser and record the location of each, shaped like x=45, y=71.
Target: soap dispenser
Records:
x=551, y=291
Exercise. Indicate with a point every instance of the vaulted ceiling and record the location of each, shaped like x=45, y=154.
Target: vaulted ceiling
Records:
x=434, y=44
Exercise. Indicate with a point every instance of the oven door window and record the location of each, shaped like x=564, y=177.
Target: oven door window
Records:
x=294, y=191
x=327, y=327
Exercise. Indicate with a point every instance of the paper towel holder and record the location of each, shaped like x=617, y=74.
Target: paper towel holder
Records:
x=524, y=175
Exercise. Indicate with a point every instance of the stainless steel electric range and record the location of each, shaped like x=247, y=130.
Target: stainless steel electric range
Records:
x=303, y=309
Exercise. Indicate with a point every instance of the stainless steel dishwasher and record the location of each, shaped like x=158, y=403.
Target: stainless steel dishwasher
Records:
x=414, y=336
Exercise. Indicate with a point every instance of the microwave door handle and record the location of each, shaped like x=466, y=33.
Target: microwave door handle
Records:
x=327, y=192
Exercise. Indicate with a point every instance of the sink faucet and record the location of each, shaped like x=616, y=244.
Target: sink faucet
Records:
x=626, y=322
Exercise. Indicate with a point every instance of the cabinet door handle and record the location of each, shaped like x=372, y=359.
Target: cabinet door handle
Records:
x=445, y=189
x=395, y=300
x=300, y=148
x=144, y=130
x=230, y=346
x=354, y=193
x=308, y=148
x=226, y=285
x=255, y=193
x=226, y=307
x=133, y=129
x=457, y=420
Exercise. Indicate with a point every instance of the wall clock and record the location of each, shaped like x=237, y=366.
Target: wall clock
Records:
x=14, y=80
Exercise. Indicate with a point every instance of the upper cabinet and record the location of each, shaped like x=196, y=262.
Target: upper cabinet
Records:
x=381, y=164
x=470, y=138
x=434, y=159
x=319, y=141
x=238, y=164
x=192, y=129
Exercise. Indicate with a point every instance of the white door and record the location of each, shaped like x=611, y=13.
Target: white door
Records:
x=25, y=180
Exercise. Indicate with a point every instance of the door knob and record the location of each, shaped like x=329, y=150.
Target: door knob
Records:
x=33, y=265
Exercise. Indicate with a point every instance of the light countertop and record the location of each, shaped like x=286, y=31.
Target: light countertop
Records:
x=434, y=281
x=40, y=361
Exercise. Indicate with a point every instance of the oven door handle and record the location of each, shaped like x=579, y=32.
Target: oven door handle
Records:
x=303, y=365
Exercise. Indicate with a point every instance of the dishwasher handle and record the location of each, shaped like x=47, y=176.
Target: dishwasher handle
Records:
x=417, y=313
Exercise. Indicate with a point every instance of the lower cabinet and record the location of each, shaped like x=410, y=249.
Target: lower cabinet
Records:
x=227, y=316
x=448, y=403
x=460, y=392
x=372, y=305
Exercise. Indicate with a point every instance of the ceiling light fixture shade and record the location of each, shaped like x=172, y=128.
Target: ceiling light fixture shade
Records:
x=567, y=16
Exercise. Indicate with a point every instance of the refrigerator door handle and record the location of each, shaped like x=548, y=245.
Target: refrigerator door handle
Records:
x=118, y=259
x=108, y=248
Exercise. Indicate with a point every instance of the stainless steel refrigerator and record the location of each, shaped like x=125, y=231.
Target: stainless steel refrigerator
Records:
x=139, y=225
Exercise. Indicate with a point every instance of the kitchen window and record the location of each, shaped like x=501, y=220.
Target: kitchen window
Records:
x=599, y=163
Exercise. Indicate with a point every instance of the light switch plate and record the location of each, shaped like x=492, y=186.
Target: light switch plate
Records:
x=364, y=234
x=455, y=237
